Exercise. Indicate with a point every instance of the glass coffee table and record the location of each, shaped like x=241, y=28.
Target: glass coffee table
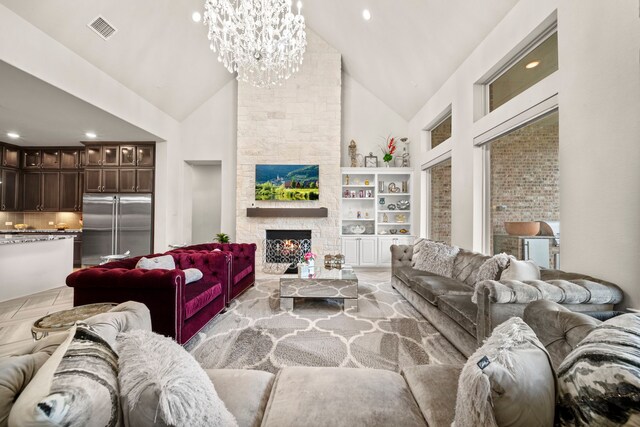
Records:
x=325, y=284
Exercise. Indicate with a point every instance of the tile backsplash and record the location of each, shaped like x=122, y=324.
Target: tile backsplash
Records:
x=40, y=220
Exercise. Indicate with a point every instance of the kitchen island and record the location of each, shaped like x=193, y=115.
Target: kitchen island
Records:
x=34, y=263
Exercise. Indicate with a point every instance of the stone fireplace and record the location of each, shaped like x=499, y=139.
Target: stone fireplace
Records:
x=296, y=123
x=285, y=248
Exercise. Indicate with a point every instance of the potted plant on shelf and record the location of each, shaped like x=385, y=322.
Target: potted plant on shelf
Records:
x=391, y=145
x=221, y=238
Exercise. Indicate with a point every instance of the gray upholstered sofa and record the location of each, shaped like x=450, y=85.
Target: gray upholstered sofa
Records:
x=446, y=302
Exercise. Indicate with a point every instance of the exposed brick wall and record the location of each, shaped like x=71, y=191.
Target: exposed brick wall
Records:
x=296, y=123
x=525, y=175
x=441, y=133
x=440, y=203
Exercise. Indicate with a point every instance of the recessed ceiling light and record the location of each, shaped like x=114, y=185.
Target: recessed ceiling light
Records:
x=532, y=64
x=13, y=135
x=90, y=135
x=366, y=14
x=196, y=16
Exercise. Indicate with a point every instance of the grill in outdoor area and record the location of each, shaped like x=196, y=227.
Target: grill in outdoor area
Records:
x=284, y=249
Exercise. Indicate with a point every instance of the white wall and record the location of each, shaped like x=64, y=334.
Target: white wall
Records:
x=509, y=36
x=598, y=88
x=209, y=134
x=600, y=140
x=28, y=48
x=205, y=202
x=367, y=120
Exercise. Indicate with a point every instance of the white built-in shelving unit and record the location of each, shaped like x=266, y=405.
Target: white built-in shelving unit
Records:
x=366, y=200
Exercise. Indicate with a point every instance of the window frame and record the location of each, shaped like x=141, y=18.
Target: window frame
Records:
x=541, y=38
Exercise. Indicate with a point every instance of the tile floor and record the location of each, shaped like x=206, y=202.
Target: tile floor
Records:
x=17, y=315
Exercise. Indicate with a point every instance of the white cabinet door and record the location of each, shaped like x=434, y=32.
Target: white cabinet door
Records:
x=404, y=240
x=368, y=252
x=384, y=250
x=350, y=250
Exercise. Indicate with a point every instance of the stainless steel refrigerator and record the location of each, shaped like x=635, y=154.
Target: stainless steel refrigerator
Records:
x=114, y=224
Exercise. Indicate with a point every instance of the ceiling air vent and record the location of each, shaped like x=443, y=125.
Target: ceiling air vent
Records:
x=102, y=27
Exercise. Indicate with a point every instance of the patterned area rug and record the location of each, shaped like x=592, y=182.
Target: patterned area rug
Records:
x=386, y=332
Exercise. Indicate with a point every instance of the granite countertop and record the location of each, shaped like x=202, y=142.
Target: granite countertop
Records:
x=10, y=239
x=44, y=230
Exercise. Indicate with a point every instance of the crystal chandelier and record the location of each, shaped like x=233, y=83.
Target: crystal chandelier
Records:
x=261, y=40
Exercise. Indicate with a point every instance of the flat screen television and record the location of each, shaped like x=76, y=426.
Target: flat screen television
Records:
x=287, y=182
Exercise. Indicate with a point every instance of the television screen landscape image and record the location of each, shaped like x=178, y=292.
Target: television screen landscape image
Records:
x=287, y=182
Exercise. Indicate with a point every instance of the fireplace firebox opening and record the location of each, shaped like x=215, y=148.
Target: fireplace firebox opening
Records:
x=284, y=249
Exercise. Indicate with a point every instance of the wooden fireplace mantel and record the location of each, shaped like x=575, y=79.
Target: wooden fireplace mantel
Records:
x=288, y=212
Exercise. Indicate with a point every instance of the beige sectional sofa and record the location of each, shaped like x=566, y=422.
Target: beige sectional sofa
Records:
x=446, y=302
x=420, y=396
x=295, y=396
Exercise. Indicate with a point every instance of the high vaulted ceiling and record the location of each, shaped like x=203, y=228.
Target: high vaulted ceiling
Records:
x=44, y=115
x=402, y=55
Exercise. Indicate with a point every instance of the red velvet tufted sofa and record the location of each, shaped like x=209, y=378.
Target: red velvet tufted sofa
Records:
x=243, y=265
x=177, y=310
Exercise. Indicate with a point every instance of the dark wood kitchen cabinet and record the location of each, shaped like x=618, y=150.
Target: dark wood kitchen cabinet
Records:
x=101, y=180
x=70, y=159
x=77, y=250
x=31, y=158
x=41, y=191
x=136, y=180
x=31, y=191
x=102, y=155
x=138, y=155
x=41, y=158
x=134, y=172
x=70, y=192
x=144, y=181
x=127, y=180
x=50, y=159
x=9, y=190
x=10, y=156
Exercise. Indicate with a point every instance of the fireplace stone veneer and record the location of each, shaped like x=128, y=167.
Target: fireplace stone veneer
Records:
x=296, y=123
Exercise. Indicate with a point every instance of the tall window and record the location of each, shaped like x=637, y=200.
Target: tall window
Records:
x=441, y=132
x=525, y=186
x=531, y=68
x=440, y=202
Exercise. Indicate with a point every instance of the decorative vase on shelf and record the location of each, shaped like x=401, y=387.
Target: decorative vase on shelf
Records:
x=312, y=267
x=386, y=164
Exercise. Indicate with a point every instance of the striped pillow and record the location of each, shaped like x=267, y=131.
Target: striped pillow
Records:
x=599, y=381
x=77, y=386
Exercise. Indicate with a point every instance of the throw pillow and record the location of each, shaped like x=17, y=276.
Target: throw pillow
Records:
x=164, y=262
x=192, y=275
x=509, y=381
x=520, y=270
x=434, y=257
x=77, y=386
x=599, y=381
x=161, y=381
x=491, y=270
x=16, y=372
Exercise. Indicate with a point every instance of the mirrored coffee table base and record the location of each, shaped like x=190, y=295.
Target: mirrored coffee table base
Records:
x=327, y=284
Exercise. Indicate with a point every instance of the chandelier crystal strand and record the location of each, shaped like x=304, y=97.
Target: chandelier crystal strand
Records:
x=261, y=40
